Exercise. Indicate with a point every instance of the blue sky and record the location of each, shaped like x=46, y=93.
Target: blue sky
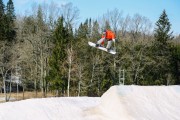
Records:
x=151, y=9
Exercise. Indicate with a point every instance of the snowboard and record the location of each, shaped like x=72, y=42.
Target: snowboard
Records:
x=101, y=48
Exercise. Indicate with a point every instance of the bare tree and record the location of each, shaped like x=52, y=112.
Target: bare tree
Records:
x=124, y=25
x=70, y=61
x=70, y=14
x=80, y=74
x=139, y=28
x=54, y=13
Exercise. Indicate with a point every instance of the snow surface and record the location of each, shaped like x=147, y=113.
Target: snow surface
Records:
x=118, y=103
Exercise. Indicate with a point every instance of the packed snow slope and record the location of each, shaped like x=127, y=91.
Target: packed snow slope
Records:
x=118, y=103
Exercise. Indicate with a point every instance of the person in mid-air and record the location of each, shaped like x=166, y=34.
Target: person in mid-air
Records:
x=109, y=36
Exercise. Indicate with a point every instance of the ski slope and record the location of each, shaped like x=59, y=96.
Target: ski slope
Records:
x=118, y=103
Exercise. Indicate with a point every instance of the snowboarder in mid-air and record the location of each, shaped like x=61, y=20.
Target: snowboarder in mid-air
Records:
x=108, y=36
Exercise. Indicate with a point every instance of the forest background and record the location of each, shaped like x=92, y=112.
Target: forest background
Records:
x=46, y=51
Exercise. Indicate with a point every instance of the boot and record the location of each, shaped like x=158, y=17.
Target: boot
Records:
x=108, y=49
x=97, y=45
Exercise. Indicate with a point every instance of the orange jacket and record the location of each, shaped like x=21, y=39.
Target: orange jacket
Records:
x=109, y=35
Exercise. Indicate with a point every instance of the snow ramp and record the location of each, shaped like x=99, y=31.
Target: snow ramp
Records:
x=138, y=103
x=118, y=103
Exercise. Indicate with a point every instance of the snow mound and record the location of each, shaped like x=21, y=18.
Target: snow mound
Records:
x=118, y=103
x=63, y=108
x=140, y=103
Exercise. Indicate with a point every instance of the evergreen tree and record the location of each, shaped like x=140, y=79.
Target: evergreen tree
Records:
x=1, y=8
x=95, y=31
x=10, y=19
x=40, y=22
x=10, y=10
x=176, y=63
x=161, y=49
x=83, y=30
x=162, y=31
x=2, y=16
x=57, y=76
x=8, y=31
x=107, y=25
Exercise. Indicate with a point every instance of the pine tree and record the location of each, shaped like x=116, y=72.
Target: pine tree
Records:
x=95, y=30
x=161, y=49
x=10, y=10
x=40, y=21
x=10, y=21
x=57, y=77
x=2, y=16
x=8, y=31
x=1, y=8
x=162, y=31
x=107, y=25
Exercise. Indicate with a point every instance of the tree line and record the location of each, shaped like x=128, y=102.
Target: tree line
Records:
x=49, y=51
